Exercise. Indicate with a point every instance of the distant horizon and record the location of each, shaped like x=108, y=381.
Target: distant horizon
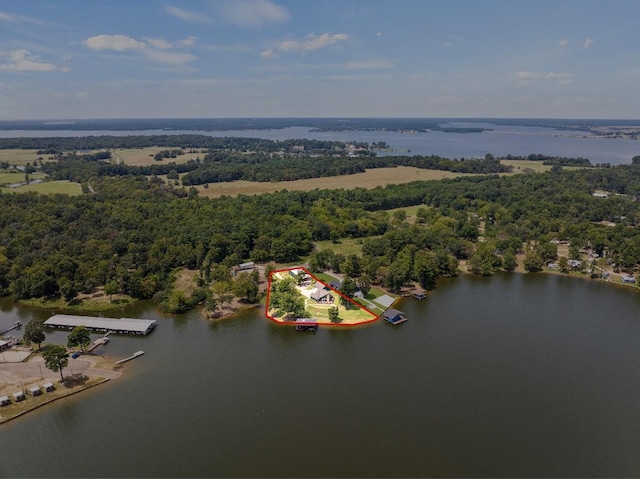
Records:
x=63, y=121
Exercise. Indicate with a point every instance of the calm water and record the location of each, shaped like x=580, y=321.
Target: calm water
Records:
x=504, y=140
x=509, y=376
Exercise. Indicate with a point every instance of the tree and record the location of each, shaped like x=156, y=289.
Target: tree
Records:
x=34, y=332
x=79, y=336
x=509, y=261
x=56, y=358
x=334, y=315
x=364, y=282
x=533, y=261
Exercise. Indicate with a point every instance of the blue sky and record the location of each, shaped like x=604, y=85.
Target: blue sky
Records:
x=274, y=58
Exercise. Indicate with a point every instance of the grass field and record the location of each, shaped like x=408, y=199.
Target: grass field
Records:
x=144, y=156
x=19, y=157
x=8, y=177
x=345, y=246
x=64, y=187
x=369, y=179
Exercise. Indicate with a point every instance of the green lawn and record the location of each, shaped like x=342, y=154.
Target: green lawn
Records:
x=8, y=177
x=345, y=246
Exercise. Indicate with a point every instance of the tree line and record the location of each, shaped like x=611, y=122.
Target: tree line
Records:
x=133, y=232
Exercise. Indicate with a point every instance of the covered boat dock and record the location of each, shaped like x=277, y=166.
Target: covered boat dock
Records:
x=119, y=326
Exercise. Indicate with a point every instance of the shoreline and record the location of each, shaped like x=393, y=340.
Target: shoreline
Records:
x=19, y=376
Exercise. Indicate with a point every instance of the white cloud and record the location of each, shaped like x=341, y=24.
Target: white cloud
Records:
x=268, y=54
x=379, y=34
x=563, y=43
x=524, y=75
x=154, y=49
x=187, y=16
x=587, y=43
x=254, y=13
x=312, y=42
x=187, y=42
x=158, y=43
x=561, y=78
x=24, y=61
x=119, y=43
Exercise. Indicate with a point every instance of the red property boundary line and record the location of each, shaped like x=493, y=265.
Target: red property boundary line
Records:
x=266, y=309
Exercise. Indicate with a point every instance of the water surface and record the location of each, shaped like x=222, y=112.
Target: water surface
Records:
x=515, y=375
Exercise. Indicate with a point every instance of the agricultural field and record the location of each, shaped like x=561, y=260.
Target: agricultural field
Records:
x=16, y=157
x=369, y=179
x=64, y=187
x=144, y=156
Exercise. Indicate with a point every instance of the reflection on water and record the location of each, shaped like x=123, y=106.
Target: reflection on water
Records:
x=515, y=375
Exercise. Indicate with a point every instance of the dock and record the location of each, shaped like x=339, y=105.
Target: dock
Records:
x=135, y=355
x=394, y=316
x=419, y=295
x=114, y=325
x=17, y=325
x=99, y=342
x=306, y=324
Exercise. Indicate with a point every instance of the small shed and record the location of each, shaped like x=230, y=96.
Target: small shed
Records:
x=35, y=391
x=19, y=396
x=48, y=387
x=5, y=401
x=394, y=316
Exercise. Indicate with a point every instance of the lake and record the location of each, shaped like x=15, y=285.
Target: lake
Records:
x=514, y=375
x=503, y=140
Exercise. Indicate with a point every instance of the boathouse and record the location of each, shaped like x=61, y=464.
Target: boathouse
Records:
x=35, y=391
x=19, y=396
x=120, y=326
x=394, y=316
x=5, y=401
x=48, y=387
x=306, y=324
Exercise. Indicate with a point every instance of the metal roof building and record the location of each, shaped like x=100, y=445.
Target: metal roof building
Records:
x=122, y=325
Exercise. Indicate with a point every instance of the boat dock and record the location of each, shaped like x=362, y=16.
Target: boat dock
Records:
x=17, y=325
x=114, y=325
x=99, y=342
x=135, y=355
x=394, y=316
x=419, y=295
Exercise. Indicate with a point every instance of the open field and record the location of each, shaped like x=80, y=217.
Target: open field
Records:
x=536, y=166
x=144, y=156
x=9, y=177
x=64, y=187
x=19, y=157
x=345, y=246
x=369, y=179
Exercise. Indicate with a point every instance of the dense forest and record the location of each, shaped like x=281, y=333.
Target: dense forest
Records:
x=134, y=231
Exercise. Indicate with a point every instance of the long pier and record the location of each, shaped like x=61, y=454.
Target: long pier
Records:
x=135, y=355
x=17, y=325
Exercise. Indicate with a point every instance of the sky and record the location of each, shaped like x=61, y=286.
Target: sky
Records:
x=74, y=59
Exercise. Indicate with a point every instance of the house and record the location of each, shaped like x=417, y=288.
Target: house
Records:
x=336, y=284
x=394, y=316
x=628, y=279
x=574, y=263
x=321, y=295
